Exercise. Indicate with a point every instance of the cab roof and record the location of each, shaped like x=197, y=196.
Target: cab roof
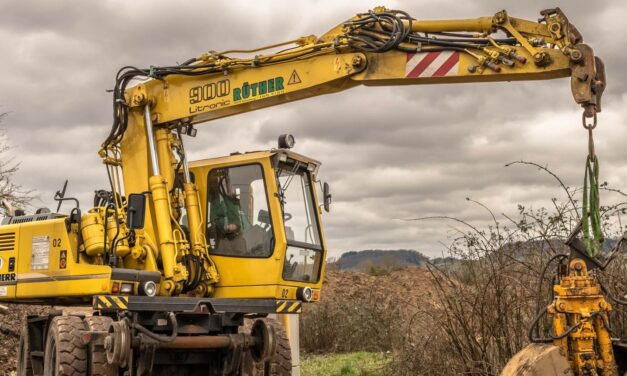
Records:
x=251, y=156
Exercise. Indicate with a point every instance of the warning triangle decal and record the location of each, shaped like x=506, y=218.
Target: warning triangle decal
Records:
x=294, y=79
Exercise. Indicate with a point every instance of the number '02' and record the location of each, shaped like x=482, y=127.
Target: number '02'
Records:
x=56, y=242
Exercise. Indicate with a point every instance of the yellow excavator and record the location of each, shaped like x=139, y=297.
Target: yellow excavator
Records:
x=194, y=268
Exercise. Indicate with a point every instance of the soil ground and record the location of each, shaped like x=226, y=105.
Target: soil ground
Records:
x=11, y=322
x=413, y=286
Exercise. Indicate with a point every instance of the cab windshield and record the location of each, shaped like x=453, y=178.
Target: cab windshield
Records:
x=304, y=251
x=239, y=223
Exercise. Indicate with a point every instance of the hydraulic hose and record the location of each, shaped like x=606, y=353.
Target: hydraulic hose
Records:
x=160, y=337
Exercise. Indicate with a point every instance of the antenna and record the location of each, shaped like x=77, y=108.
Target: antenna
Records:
x=60, y=195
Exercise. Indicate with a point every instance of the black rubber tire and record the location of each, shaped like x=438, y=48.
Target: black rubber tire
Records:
x=280, y=364
x=177, y=371
x=97, y=364
x=24, y=366
x=65, y=354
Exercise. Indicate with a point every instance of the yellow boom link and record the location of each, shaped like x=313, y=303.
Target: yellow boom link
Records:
x=335, y=62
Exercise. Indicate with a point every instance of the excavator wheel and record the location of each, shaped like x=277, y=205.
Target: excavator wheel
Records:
x=65, y=354
x=98, y=365
x=281, y=362
x=24, y=366
x=538, y=360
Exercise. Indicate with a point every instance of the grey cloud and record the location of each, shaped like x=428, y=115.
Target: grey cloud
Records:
x=388, y=153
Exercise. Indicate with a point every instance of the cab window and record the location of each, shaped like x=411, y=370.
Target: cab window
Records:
x=238, y=220
x=304, y=252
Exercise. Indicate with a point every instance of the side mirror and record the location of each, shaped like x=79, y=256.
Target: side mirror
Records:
x=326, y=197
x=136, y=211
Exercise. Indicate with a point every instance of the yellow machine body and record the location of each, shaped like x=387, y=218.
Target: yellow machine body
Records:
x=41, y=262
x=42, y=257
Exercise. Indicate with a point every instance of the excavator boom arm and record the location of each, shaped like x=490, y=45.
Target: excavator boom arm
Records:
x=378, y=48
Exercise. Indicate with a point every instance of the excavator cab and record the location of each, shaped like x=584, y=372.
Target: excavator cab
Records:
x=263, y=224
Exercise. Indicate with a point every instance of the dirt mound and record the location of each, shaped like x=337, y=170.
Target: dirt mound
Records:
x=411, y=287
x=364, y=312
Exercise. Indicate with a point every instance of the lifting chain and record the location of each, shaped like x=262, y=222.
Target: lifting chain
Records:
x=591, y=227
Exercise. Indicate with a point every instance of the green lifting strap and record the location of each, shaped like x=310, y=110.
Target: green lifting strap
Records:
x=591, y=216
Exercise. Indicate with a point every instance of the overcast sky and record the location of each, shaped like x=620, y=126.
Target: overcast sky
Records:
x=388, y=153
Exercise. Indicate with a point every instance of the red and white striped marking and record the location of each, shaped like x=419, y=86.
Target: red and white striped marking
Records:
x=432, y=64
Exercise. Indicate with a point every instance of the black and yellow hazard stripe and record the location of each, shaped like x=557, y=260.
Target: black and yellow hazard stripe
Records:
x=110, y=302
x=289, y=306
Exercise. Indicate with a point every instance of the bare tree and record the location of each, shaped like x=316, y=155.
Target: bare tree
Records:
x=12, y=195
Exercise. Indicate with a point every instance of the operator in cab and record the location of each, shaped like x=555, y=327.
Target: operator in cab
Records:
x=225, y=216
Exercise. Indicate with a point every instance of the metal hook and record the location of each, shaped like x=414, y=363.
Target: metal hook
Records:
x=585, y=123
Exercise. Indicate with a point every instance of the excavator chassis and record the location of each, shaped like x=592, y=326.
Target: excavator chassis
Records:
x=137, y=336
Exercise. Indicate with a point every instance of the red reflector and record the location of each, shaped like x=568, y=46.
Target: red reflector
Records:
x=115, y=287
x=86, y=338
x=316, y=295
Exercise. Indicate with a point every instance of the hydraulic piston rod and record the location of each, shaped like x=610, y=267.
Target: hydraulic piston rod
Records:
x=154, y=161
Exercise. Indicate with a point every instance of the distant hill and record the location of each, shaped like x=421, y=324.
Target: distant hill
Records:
x=386, y=259
x=374, y=261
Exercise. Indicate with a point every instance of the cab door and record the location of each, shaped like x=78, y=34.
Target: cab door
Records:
x=241, y=222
